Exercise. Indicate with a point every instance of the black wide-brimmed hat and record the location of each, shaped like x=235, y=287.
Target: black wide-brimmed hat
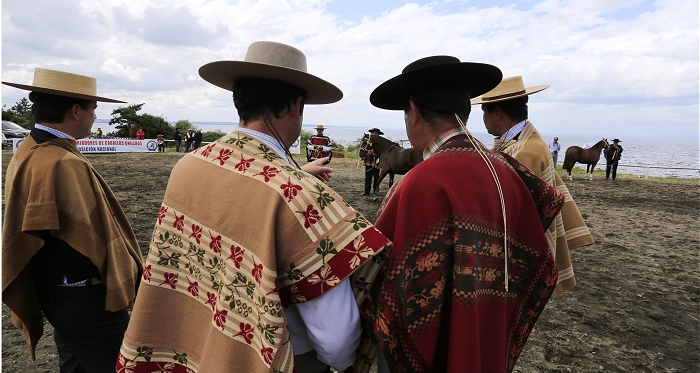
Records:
x=435, y=71
x=376, y=130
x=616, y=140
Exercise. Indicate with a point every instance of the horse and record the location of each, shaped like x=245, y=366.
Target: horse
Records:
x=393, y=159
x=589, y=157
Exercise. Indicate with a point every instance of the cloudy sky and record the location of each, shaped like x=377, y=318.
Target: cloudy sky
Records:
x=617, y=68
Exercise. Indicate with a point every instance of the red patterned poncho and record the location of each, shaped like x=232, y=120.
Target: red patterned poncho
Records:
x=442, y=304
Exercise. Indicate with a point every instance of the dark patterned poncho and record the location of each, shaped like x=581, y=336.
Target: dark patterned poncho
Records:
x=440, y=297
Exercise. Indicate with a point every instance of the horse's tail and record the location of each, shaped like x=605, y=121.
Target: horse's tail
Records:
x=569, y=162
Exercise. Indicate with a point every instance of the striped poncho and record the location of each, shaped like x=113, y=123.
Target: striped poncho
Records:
x=240, y=236
x=569, y=231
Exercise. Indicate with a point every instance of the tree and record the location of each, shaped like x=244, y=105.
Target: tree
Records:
x=211, y=136
x=124, y=117
x=19, y=113
x=183, y=125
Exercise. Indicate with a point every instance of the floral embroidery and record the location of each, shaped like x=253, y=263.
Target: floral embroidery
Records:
x=179, y=223
x=427, y=260
x=224, y=155
x=267, y=355
x=327, y=277
x=220, y=318
x=244, y=164
x=359, y=251
x=257, y=271
x=208, y=149
x=193, y=288
x=211, y=299
x=324, y=198
x=161, y=214
x=268, y=153
x=246, y=332
x=239, y=141
x=147, y=273
x=311, y=216
x=126, y=365
x=290, y=190
x=236, y=256
x=326, y=248
x=196, y=232
x=169, y=279
x=268, y=173
x=215, y=243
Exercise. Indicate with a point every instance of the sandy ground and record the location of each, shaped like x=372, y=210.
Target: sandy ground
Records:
x=635, y=308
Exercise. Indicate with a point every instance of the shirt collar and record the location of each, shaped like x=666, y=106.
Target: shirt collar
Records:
x=265, y=139
x=53, y=131
x=513, y=131
x=437, y=143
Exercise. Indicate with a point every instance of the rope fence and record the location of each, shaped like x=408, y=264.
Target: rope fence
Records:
x=648, y=167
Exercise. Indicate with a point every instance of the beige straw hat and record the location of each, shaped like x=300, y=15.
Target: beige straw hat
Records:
x=508, y=89
x=274, y=61
x=320, y=127
x=61, y=83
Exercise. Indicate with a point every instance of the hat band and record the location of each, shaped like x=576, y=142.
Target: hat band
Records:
x=503, y=96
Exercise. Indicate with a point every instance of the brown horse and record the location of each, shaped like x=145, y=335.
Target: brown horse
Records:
x=589, y=157
x=393, y=159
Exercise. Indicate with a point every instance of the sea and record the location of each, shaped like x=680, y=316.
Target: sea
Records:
x=641, y=156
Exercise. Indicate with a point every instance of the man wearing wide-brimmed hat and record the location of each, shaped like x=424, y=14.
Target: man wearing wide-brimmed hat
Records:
x=506, y=116
x=250, y=260
x=68, y=249
x=612, y=157
x=371, y=163
x=469, y=270
x=319, y=145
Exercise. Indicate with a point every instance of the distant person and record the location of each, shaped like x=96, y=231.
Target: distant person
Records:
x=320, y=145
x=178, y=139
x=189, y=138
x=554, y=148
x=505, y=114
x=98, y=133
x=612, y=156
x=197, y=139
x=451, y=297
x=371, y=165
x=265, y=254
x=161, y=143
x=68, y=249
x=140, y=134
x=132, y=132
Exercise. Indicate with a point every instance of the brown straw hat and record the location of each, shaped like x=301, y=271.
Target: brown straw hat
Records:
x=61, y=83
x=274, y=61
x=508, y=89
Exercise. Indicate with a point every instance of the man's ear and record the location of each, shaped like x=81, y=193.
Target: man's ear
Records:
x=413, y=114
x=72, y=113
x=296, y=108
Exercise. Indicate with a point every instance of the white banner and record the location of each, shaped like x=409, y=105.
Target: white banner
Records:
x=87, y=146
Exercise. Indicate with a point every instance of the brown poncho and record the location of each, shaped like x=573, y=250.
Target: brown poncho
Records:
x=568, y=231
x=240, y=235
x=52, y=187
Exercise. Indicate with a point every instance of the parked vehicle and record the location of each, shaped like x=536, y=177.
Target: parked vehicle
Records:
x=12, y=130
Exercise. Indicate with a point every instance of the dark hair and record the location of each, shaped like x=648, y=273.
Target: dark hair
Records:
x=515, y=109
x=441, y=103
x=50, y=108
x=256, y=97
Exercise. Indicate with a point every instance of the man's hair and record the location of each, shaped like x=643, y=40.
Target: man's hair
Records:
x=48, y=108
x=515, y=109
x=256, y=98
x=441, y=103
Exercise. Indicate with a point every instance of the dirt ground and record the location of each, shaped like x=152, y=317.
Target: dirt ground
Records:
x=635, y=308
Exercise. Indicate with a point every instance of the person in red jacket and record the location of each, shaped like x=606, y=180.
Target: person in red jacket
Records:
x=140, y=135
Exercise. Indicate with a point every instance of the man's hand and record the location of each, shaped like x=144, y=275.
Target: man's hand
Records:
x=318, y=169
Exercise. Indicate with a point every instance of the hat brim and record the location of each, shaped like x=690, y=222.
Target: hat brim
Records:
x=477, y=78
x=224, y=73
x=528, y=91
x=62, y=93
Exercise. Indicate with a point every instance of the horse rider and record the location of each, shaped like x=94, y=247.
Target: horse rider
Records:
x=320, y=145
x=371, y=163
x=505, y=116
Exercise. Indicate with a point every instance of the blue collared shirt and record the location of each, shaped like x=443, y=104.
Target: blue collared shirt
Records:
x=514, y=131
x=53, y=131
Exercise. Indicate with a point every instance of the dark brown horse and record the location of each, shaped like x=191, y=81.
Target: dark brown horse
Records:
x=393, y=159
x=589, y=157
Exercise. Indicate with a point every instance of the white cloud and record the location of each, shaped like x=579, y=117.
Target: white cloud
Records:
x=642, y=67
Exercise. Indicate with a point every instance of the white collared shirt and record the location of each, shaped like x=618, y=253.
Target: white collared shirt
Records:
x=53, y=131
x=330, y=323
x=514, y=131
